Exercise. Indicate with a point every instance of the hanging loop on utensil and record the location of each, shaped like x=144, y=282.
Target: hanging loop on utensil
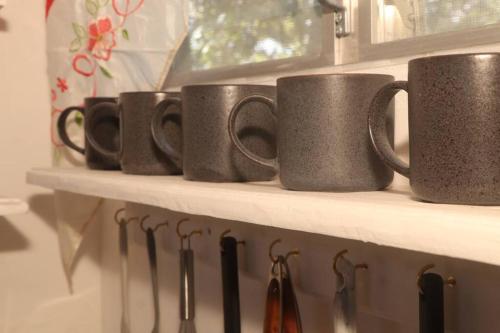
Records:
x=335, y=260
x=450, y=281
x=183, y=237
x=178, y=228
x=156, y=227
x=271, y=256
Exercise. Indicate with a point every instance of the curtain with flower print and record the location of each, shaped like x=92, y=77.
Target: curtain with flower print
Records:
x=101, y=48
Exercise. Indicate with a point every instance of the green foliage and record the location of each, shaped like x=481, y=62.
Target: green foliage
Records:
x=233, y=32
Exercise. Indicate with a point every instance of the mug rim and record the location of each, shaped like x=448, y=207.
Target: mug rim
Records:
x=453, y=55
x=226, y=85
x=139, y=92
x=100, y=97
x=309, y=76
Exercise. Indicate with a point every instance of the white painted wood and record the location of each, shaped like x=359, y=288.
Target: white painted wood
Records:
x=11, y=206
x=390, y=218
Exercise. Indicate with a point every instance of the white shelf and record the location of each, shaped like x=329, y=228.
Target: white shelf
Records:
x=11, y=206
x=391, y=218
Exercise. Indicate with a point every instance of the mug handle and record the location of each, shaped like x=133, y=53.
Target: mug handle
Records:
x=376, y=124
x=92, y=118
x=269, y=162
x=159, y=116
x=61, y=128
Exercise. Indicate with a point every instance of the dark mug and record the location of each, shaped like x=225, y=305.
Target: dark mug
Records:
x=454, y=126
x=323, y=140
x=137, y=152
x=106, y=131
x=208, y=154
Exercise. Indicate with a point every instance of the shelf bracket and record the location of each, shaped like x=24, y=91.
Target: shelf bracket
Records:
x=342, y=17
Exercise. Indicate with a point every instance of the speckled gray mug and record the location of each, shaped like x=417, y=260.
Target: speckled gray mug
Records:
x=454, y=125
x=208, y=154
x=138, y=153
x=106, y=131
x=322, y=137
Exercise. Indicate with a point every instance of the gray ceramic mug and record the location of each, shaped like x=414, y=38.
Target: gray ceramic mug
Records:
x=138, y=153
x=106, y=131
x=323, y=140
x=208, y=154
x=454, y=125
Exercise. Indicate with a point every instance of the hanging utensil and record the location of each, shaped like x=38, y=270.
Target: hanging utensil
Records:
x=230, y=283
x=186, y=260
x=431, y=300
x=344, y=305
x=123, y=247
x=291, y=322
x=151, y=246
x=282, y=311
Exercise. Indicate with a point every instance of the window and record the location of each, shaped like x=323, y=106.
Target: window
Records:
x=409, y=27
x=230, y=35
x=241, y=38
x=400, y=19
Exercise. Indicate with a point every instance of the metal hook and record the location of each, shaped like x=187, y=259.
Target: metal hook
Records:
x=192, y=233
x=335, y=260
x=117, y=213
x=295, y=252
x=226, y=232
x=271, y=256
x=182, y=237
x=450, y=281
x=178, y=230
x=156, y=227
x=123, y=220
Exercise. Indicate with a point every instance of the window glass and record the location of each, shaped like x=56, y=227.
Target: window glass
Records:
x=401, y=19
x=235, y=32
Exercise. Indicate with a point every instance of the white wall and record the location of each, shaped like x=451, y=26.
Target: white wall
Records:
x=33, y=292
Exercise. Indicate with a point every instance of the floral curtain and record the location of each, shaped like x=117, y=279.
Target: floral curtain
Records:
x=101, y=48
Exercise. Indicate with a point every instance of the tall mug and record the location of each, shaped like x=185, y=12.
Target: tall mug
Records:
x=322, y=136
x=454, y=126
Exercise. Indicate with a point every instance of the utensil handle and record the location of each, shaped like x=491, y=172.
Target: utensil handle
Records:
x=160, y=115
x=151, y=245
x=93, y=117
x=431, y=304
x=377, y=126
x=187, y=284
x=269, y=162
x=61, y=128
x=230, y=285
x=123, y=246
